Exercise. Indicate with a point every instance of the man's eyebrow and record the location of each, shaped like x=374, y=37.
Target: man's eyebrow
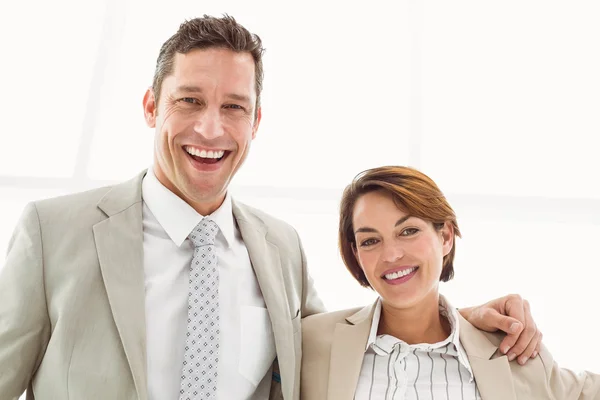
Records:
x=197, y=89
x=238, y=97
x=189, y=89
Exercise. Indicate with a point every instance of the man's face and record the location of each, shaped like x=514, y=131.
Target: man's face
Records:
x=205, y=121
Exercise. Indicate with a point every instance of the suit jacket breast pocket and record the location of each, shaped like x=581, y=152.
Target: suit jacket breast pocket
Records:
x=257, y=344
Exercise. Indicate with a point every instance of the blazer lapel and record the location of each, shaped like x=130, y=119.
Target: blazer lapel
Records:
x=492, y=374
x=347, y=353
x=266, y=263
x=119, y=243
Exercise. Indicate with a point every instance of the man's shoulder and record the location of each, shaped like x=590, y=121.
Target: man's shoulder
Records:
x=67, y=214
x=66, y=201
x=268, y=219
x=279, y=231
x=78, y=203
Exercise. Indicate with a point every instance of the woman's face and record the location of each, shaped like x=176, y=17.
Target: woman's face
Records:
x=400, y=255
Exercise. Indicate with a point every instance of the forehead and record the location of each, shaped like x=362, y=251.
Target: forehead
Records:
x=374, y=206
x=214, y=69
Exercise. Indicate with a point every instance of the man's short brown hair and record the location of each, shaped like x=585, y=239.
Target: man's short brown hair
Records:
x=204, y=33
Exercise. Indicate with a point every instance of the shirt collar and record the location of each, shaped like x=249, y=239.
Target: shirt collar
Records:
x=446, y=310
x=374, y=324
x=177, y=217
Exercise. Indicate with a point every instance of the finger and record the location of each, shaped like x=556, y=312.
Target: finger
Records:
x=508, y=325
x=490, y=320
x=512, y=335
x=514, y=309
x=526, y=336
x=538, y=348
x=530, y=350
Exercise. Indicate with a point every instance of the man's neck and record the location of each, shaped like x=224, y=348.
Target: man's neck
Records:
x=202, y=208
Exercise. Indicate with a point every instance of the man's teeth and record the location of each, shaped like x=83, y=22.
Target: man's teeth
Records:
x=400, y=274
x=204, y=153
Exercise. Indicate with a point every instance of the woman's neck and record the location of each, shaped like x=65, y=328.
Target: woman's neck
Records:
x=419, y=324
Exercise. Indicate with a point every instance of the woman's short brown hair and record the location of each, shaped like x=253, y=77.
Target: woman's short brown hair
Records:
x=413, y=192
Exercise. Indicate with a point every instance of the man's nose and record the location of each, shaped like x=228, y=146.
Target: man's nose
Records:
x=209, y=123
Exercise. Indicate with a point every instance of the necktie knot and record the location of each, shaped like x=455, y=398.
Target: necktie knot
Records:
x=204, y=233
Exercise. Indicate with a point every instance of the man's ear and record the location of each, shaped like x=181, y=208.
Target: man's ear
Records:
x=150, y=108
x=256, y=122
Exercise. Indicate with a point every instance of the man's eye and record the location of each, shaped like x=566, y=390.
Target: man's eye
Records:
x=189, y=100
x=234, y=106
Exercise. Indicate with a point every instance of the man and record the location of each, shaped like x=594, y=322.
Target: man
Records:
x=163, y=287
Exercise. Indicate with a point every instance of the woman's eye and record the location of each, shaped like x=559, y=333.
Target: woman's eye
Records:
x=409, y=232
x=368, y=242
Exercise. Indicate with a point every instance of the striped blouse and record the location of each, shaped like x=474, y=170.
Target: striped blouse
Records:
x=395, y=370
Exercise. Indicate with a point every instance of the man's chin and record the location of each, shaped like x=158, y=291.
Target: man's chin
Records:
x=199, y=193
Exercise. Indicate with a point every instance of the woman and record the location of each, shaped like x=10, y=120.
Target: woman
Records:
x=396, y=236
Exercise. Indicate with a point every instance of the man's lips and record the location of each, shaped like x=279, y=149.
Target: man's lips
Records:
x=206, y=156
x=205, y=152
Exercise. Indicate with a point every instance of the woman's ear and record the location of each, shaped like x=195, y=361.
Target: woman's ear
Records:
x=355, y=252
x=447, y=233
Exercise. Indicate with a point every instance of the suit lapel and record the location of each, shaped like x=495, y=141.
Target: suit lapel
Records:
x=119, y=243
x=493, y=377
x=347, y=353
x=266, y=263
x=492, y=374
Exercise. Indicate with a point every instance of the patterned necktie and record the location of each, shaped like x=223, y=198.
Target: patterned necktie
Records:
x=199, y=372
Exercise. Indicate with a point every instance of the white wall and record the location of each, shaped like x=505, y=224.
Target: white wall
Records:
x=496, y=101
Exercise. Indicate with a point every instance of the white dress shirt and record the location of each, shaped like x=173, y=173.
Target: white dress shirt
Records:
x=247, y=349
x=395, y=370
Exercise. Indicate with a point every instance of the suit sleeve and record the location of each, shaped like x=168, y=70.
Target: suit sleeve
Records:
x=565, y=384
x=24, y=321
x=311, y=302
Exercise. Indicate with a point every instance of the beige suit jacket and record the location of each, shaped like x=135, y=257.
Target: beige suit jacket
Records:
x=72, y=319
x=334, y=345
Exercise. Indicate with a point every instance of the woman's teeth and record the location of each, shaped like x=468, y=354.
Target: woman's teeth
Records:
x=400, y=274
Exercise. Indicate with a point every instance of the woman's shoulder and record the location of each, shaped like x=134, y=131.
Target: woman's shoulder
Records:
x=318, y=332
x=322, y=326
x=331, y=318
